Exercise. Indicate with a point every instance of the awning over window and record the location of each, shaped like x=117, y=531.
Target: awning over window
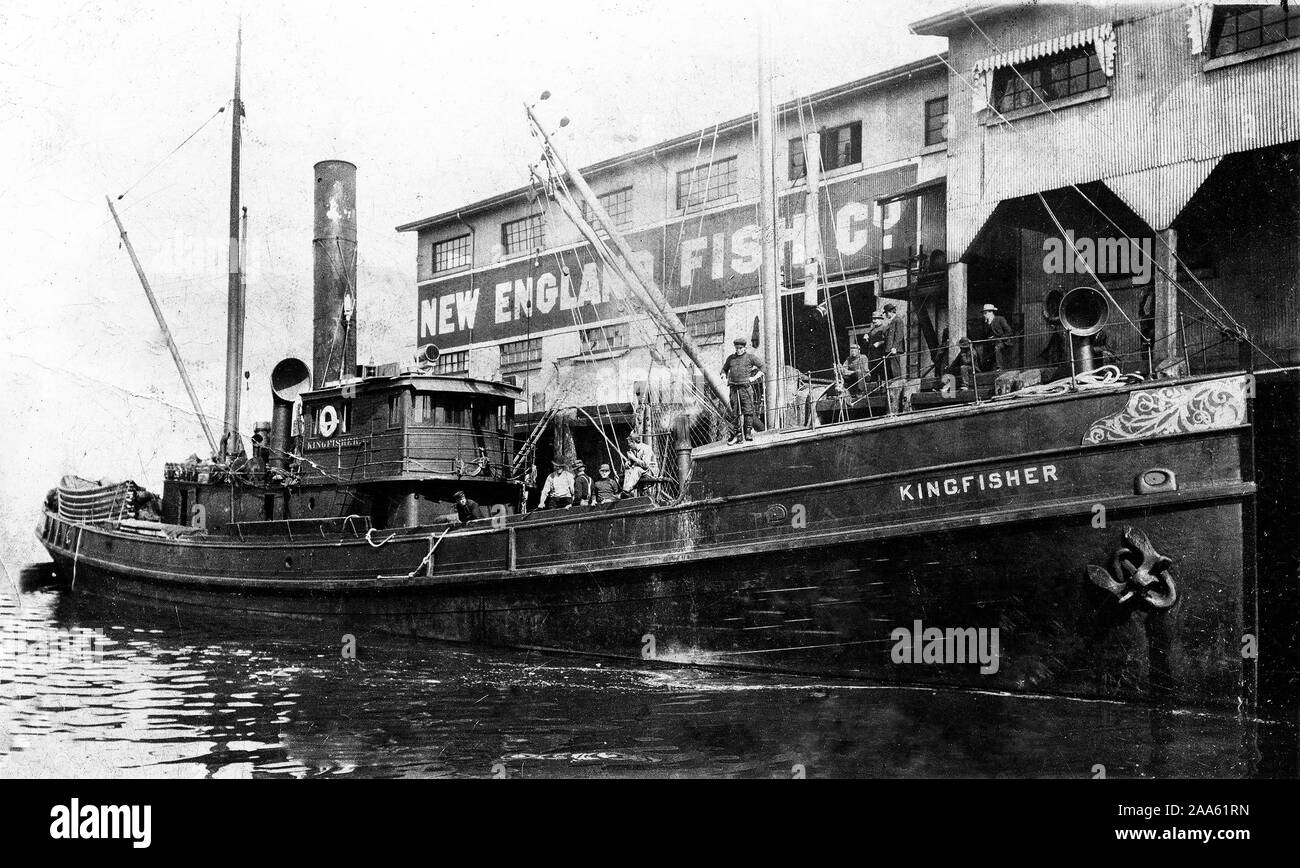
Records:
x=1101, y=38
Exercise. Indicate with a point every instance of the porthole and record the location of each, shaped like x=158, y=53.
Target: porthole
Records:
x=288, y=563
x=311, y=503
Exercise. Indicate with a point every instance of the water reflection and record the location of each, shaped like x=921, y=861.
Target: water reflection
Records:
x=89, y=687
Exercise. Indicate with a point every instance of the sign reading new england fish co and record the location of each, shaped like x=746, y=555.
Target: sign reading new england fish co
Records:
x=701, y=258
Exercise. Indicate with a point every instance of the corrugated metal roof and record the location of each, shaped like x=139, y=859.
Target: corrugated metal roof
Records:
x=1158, y=195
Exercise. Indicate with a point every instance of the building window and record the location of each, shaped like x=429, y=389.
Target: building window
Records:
x=1046, y=79
x=706, y=326
x=396, y=404
x=1241, y=28
x=708, y=183
x=604, y=339
x=451, y=254
x=452, y=363
x=519, y=356
x=840, y=147
x=617, y=203
x=936, y=120
x=522, y=236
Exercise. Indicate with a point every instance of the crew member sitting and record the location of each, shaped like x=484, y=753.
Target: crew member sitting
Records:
x=960, y=370
x=559, y=486
x=640, y=467
x=466, y=509
x=856, y=371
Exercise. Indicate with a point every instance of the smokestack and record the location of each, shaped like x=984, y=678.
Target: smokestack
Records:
x=334, y=267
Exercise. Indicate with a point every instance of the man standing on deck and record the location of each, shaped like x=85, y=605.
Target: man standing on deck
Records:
x=581, y=485
x=606, y=488
x=998, y=332
x=876, y=346
x=742, y=369
x=892, y=334
x=559, y=485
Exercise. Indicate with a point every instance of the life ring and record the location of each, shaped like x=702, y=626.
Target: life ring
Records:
x=328, y=421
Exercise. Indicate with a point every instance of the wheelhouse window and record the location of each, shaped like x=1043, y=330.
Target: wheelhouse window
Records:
x=521, y=356
x=451, y=254
x=712, y=182
x=523, y=235
x=617, y=203
x=936, y=120
x=452, y=363
x=840, y=146
x=1240, y=28
x=396, y=410
x=604, y=339
x=1047, y=79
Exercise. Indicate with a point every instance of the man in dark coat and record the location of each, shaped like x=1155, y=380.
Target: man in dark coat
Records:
x=875, y=339
x=466, y=509
x=742, y=369
x=997, y=336
x=894, y=345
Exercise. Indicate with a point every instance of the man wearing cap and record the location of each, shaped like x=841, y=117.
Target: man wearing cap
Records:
x=742, y=369
x=960, y=372
x=892, y=334
x=997, y=346
x=606, y=488
x=559, y=486
x=856, y=372
x=581, y=485
x=466, y=509
x=876, y=346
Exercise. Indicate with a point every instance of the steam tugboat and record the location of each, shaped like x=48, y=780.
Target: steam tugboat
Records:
x=1125, y=537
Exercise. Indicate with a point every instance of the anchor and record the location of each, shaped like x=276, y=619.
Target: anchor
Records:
x=1137, y=571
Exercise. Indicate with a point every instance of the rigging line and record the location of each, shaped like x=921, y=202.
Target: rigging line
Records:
x=1091, y=273
x=607, y=255
x=1116, y=141
x=690, y=193
x=173, y=151
x=1172, y=278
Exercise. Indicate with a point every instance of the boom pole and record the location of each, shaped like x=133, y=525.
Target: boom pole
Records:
x=658, y=307
x=162, y=324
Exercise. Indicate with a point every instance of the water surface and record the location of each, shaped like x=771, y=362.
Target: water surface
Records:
x=92, y=688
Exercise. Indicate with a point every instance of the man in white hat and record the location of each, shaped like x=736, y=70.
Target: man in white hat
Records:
x=997, y=340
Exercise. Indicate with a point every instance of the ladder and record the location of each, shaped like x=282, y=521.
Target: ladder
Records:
x=526, y=450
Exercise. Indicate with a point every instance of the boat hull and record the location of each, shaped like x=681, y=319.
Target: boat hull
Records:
x=843, y=576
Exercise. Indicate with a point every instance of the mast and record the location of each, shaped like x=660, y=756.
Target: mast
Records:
x=230, y=440
x=162, y=324
x=771, y=292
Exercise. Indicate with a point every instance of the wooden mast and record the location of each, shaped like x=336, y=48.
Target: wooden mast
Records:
x=230, y=440
x=771, y=291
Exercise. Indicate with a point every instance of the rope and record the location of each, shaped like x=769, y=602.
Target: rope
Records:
x=171, y=152
x=381, y=543
x=429, y=557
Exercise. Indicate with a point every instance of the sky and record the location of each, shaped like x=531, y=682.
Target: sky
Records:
x=425, y=98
